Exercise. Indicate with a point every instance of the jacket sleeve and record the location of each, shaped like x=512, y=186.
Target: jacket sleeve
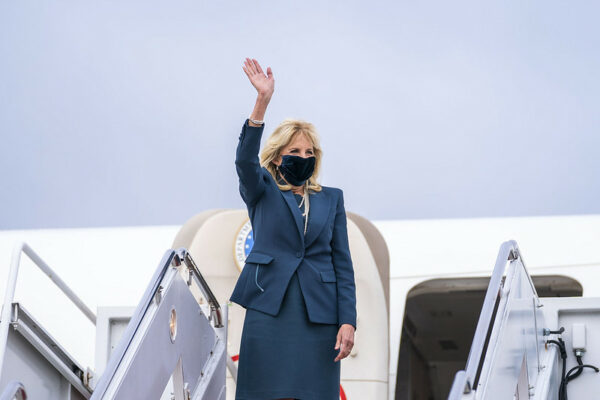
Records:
x=342, y=263
x=252, y=184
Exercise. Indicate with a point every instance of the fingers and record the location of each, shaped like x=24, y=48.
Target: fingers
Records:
x=337, y=345
x=257, y=65
x=254, y=67
x=261, y=82
x=246, y=71
x=250, y=67
x=347, y=343
x=349, y=346
x=247, y=68
x=344, y=351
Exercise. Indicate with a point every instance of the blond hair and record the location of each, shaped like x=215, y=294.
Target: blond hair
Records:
x=281, y=137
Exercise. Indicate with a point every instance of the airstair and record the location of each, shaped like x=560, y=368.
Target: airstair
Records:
x=170, y=337
x=524, y=347
x=527, y=347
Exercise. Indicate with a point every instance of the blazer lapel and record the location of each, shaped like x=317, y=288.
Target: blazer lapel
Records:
x=293, y=206
x=317, y=216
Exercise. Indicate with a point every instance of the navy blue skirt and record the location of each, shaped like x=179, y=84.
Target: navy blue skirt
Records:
x=287, y=356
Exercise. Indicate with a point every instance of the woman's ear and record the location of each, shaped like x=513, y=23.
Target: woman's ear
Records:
x=277, y=161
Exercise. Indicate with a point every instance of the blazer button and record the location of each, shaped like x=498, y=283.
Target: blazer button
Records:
x=298, y=254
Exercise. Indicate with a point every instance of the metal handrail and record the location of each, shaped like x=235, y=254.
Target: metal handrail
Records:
x=9, y=294
x=485, y=317
x=509, y=252
x=116, y=357
x=171, y=258
x=14, y=390
x=215, y=308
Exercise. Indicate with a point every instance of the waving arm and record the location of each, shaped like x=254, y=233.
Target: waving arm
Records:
x=247, y=166
x=264, y=85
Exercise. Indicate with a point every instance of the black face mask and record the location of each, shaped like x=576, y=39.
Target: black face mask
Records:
x=296, y=170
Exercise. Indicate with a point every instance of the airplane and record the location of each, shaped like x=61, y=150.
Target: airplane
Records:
x=447, y=308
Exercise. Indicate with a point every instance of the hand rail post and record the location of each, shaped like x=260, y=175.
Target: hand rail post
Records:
x=215, y=308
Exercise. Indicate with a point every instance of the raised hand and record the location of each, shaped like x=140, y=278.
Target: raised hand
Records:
x=264, y=84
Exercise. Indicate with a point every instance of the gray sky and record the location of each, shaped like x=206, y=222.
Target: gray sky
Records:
x=128, y=113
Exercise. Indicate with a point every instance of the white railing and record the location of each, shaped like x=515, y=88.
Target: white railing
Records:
x=5, y=318
x=172, y=257
x=465, y=381
x=141, y=341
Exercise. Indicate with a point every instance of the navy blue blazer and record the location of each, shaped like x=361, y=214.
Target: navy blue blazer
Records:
x=321, y=257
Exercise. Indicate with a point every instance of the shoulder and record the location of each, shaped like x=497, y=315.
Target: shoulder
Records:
x=334, y=192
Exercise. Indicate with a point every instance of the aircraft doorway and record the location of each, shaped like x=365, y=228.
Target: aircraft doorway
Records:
x=440, y=317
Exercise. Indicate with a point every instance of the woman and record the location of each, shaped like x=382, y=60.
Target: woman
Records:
x=298, y=281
